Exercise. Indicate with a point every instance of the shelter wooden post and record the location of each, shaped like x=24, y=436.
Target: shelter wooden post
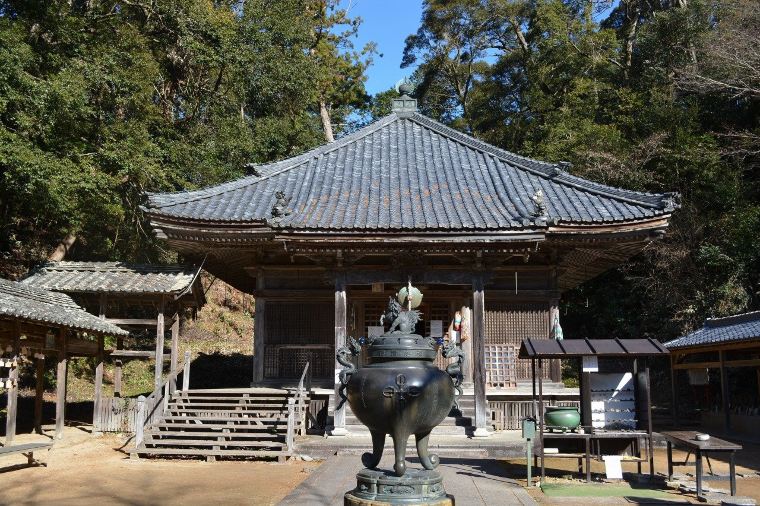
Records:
x=60, y=387
x=724, y=391
x=175, y=351
x=478, y=357
x=339, y=407
x=259, y=331
x=160, y=342
x=97, y=405
x=39, y=376
x=541, y=416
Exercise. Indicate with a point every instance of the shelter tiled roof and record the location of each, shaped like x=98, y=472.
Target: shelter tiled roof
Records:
x=18, y=300
x=408, y=172
x=741, y=327
x=113, y=277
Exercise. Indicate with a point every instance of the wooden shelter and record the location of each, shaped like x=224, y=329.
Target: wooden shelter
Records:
x=324, y=238
x=142, y=298
x=616, y=411
x=714, y=355
x=35, y=324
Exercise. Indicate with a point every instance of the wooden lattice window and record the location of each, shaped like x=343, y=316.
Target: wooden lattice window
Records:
x=501, y=365
x=511, y=322
x=297, y=332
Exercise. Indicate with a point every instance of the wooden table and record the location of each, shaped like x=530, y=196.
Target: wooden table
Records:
x=687, y=439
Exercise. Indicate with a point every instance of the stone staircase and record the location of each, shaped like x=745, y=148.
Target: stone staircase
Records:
x=457, y=423
x=229, y=423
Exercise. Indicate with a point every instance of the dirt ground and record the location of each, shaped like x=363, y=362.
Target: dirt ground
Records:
x=747, y=460
x=85, y=470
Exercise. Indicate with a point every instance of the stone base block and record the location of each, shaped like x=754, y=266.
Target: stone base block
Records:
x=417, y=487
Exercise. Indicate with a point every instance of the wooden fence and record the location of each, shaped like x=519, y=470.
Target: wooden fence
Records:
x=507, y=415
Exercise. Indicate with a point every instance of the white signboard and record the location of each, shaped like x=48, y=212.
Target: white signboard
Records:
x=613, y=401
x=436, y=328
x=590, y=364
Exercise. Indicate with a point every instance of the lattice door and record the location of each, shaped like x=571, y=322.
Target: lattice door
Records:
x=501, y=365
x=510, y=323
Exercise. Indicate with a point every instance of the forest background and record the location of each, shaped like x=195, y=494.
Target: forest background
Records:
x=101, y=101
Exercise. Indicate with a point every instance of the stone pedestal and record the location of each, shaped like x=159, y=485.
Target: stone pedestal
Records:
x=419, y=487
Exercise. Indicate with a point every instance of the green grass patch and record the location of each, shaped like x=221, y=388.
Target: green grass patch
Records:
x=601, y=490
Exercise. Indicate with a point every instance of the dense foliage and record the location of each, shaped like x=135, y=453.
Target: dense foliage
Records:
x=653, y=95
x=101, y=101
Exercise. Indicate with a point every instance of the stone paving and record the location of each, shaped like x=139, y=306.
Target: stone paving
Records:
x=472, y=482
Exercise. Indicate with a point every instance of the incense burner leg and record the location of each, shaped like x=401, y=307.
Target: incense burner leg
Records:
x=371, y=460
x=399, y=448
x=429, y=461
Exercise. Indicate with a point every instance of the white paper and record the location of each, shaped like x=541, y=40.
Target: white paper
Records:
x=612, y=467
x=590, y=364
x=436, y=328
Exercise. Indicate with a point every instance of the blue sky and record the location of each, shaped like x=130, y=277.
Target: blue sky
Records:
x=387, y=23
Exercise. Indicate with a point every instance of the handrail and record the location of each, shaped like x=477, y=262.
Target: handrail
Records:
x=153, y=406
x=295, y=407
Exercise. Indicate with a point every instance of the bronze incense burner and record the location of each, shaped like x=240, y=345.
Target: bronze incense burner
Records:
x=399, y=393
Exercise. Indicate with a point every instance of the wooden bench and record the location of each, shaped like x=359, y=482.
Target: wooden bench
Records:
x=686, y=439
x=27, y=449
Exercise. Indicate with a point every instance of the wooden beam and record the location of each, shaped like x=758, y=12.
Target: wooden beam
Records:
x=146, y=322
x=160, y=330
x=339, y=408
x=96, y=421
x=60, y=386
x=479, y=356
x=129, y=354
x=697, y=365
x=259, y=331
x=401, y=275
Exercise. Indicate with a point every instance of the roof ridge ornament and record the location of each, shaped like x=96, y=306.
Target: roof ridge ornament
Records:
x=539, y=205
x=405, y=103
x=280, y=207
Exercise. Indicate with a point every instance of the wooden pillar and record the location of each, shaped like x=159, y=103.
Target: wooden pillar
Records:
x=60, y=383
x=725, y=392
x=467, y=367
x=160, y=343
x=555, y=365
x=175, y=351
x=259, y=332
x=541, y=417
x=478, y=358
x=673, y=390
x=96, y=408
x=39, y=376
x=117, y=369
x=339, y=406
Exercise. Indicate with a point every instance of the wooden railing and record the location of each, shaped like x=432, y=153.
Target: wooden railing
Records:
x=507, y=415
x=151, y=408
x=297, y=407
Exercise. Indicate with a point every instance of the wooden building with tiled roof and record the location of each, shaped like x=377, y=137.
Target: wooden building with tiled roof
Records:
x=722, y=363
x=322, y=239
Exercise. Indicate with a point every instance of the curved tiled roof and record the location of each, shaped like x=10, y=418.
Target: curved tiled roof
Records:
x=741, y=327
x=113, y=277
x=408, y=172
x=18, y=300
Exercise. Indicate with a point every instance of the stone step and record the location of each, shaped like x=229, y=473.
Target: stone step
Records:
x=246, y=427
x=221, y=418
x=178, y=443
x=233, y=435
x=210, y=452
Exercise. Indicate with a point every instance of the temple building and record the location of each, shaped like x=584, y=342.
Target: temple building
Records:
x=324, y=238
